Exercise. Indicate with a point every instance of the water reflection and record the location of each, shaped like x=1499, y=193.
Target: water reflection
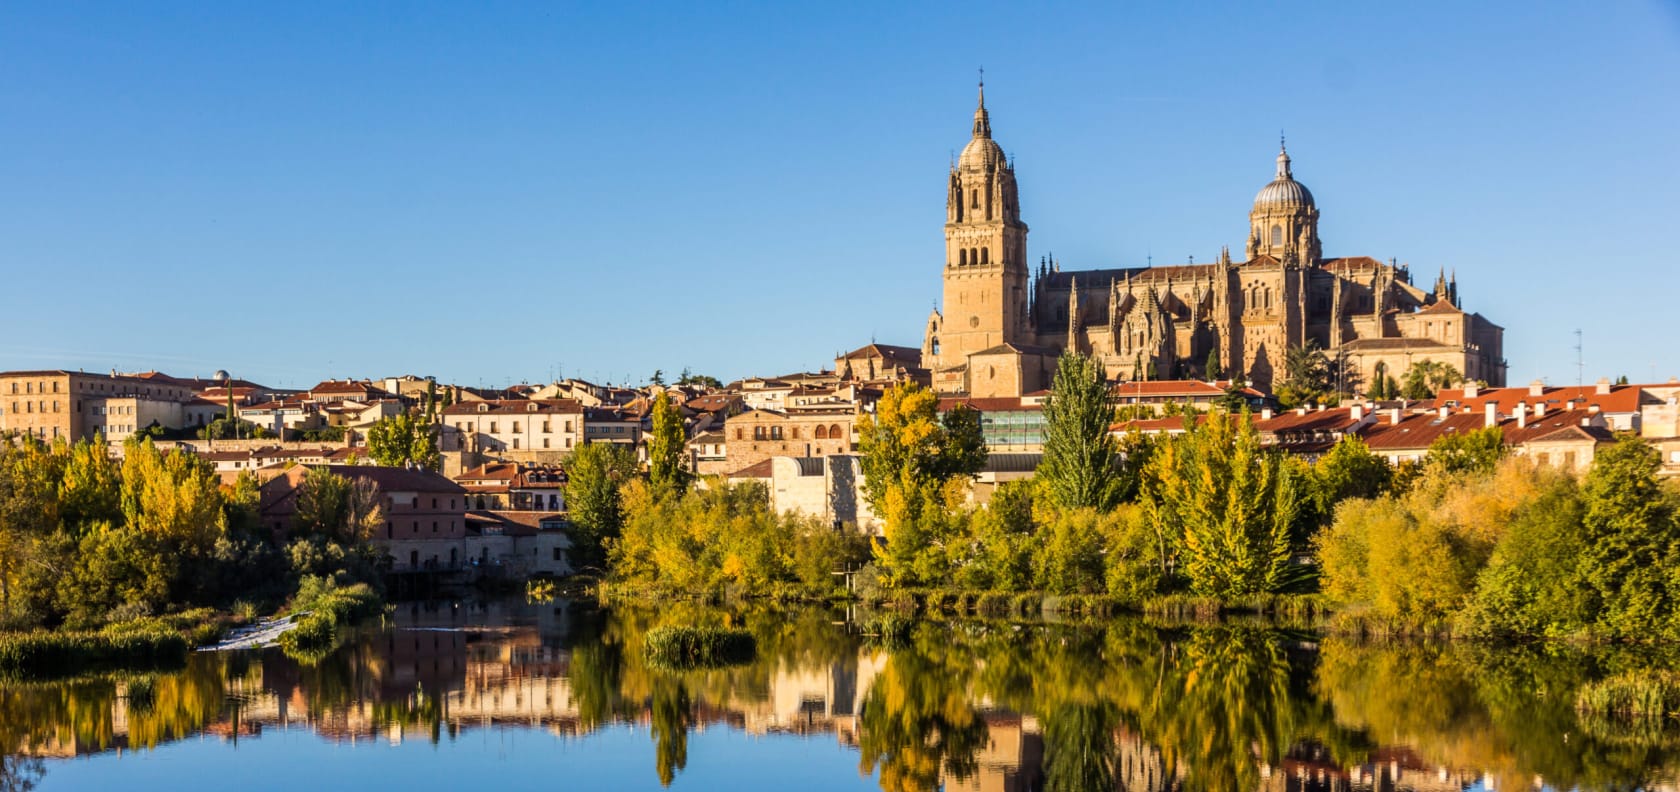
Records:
x=959, y=705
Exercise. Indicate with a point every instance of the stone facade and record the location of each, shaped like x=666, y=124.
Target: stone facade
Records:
x=1002, y=323
x=76, y=405
x=509, y=425
x=757, y=435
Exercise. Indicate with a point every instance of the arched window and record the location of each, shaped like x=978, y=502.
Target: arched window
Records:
x=962, y=257
x=834, y=432
x=985, y=255
x=822, y=432
x=976, y=204
x=1277, y=235
x=934, y=345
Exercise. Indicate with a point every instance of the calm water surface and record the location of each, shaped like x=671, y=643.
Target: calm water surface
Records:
x=557, y=696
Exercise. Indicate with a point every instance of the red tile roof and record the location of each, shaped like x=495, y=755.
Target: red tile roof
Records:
x=1620, y=399
x=515, y=407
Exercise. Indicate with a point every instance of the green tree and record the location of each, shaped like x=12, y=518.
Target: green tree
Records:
x=406, y=438
x=666, y=445
x=1078, y=469
x=340, y=509
x=1234, y=399
x=1309, y=376
x=90, y=488
x=1425, y=377
x=1475, y=452
x=1632, y=542
x=175, y=497
x=29, y=511
x=701, y=380
x=658, y=377
x=593, y=477
x=1379, y=384
x=1348, y=470
x=1212, y=369
x=911, y=462
x=964, y=453
x=1228, y=504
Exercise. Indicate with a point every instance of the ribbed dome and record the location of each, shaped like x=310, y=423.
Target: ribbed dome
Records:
x=1284, y=192
x=981, y=152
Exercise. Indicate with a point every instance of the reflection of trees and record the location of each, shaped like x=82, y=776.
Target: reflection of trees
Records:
x=672, y=715
x=1508, y=712
x=1079, y=747
x=918, y=718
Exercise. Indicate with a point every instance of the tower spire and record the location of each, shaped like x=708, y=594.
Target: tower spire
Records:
x=982, y=122
x=1283, y=158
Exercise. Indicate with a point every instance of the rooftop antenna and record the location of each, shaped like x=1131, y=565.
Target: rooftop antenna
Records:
x=1580, y=364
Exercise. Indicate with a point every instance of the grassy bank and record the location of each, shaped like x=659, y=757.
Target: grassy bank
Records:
x=46, y=655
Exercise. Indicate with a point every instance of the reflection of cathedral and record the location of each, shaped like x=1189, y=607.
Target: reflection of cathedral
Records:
x=1001, y=322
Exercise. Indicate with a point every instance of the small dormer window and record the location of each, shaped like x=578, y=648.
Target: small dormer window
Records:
x=532, y=408
x=483, y=408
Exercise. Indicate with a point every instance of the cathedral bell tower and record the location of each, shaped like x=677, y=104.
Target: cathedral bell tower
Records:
x=985, y=294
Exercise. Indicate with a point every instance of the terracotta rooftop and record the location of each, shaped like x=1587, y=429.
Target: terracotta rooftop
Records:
x=515, y=407
x=1620, y=399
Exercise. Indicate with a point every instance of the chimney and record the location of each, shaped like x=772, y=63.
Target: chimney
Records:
x=1603, y=386
x=1300, y=410
x=1357, y=412
x=1393, y=416
x=1470, y=389
x=1321, y=408
x=1265, y=413
x=1522, y=415
x=1569, y=405
x=1592, y=409
x=1536, y=388
x=1492, y=409
x=1539, y=410
x=1444, y=412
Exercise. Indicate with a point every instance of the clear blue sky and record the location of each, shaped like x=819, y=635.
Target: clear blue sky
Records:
x=498, y=192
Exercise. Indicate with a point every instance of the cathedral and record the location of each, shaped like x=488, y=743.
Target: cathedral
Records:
x=1002, y=322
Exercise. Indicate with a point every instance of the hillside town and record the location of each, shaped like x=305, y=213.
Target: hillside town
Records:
x=496, y=503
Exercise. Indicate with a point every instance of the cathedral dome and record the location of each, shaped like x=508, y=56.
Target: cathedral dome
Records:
x=981, y=152
x=1284, y=192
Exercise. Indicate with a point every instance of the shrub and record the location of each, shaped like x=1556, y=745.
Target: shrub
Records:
x=994, y=603
x=698, y=647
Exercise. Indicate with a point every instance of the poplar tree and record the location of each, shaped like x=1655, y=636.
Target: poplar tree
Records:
x=666, y=444
x=1079, y=468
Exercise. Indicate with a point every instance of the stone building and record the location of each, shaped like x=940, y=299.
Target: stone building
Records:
x=757, y=435
x=504, y=425
x=424, y=513
x=1002, y=322
x=76, y=405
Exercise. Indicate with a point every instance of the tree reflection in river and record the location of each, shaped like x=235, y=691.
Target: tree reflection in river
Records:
x=962, y=705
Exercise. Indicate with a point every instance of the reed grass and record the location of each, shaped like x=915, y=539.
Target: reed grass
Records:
x=39, y=655
x=688, y=647
x=1650, y=695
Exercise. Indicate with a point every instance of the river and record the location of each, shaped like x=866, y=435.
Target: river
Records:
x=513, y=695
